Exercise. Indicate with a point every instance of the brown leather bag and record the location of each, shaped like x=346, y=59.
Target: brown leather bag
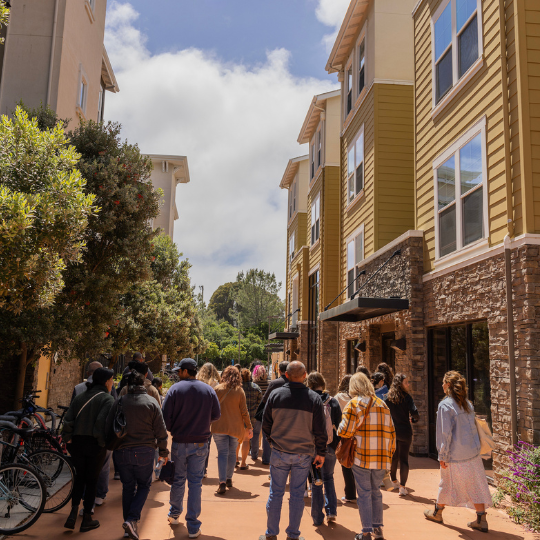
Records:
x=346, y=448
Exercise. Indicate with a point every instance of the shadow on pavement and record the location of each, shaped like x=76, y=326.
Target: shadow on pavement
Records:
x=467, y=533
x=335, y=531
x=236, y=494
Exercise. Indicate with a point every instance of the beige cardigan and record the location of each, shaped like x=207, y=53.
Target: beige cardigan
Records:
x=234, y=418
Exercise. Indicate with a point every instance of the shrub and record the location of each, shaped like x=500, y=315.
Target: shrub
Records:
x=520, y=484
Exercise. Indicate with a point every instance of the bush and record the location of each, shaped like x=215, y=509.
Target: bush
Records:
x=520, y=484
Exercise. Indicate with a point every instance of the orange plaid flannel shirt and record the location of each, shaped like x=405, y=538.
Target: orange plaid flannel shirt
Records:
x=375, y=434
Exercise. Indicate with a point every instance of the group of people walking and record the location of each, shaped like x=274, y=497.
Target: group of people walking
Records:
x=303, y=431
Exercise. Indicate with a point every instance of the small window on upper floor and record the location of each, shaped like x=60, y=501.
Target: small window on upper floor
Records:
x=355, y=167
x=349, y=90
x=292, y=246
x=456, y=42
x=361, y=65
x=460, y=194
x=100, y=105
x=83, y=92
x=92, y=4
x=315, y=219
x=319, y=148
x=312, y=167
x=355, y=255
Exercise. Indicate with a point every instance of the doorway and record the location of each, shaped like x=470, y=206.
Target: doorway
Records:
x=388, y=354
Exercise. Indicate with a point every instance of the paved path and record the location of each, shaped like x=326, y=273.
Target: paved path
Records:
x=241, y=515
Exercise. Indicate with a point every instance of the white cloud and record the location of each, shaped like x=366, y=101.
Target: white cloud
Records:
x=331, y=13
x=236, y=124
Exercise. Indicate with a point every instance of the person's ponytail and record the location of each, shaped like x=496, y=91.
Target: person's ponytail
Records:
x=457, y=389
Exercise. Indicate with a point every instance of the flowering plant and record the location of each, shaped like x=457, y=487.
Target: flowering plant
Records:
x=521, y=485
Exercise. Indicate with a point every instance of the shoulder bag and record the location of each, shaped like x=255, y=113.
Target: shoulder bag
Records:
x=487, y=444
x=81, y=409
x=346, y=448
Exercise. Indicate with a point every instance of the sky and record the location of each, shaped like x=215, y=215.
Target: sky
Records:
x=227, y=84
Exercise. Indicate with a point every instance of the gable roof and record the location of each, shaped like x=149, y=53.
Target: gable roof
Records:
x=314, y=114
x=291, y=170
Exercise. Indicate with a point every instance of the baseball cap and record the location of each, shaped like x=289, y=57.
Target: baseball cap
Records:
x=187, y=363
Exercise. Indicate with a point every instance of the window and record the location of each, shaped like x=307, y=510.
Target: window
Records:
x=460, y=194
x=361, y=65
x=100, y=105
x=92, y=4
x=355, y=255
x=312, y=164
x=319, y=148
x=291, y=245
x=315, y=218
x=349, y=89
x=292, y=199
x=456, y=43
x=355, y=167
x=83, y=91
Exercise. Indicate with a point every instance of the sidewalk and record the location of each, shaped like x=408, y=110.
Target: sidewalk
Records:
x=241, y=514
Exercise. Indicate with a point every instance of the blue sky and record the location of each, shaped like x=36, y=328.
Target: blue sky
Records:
x=239, y=31
x=227, y=84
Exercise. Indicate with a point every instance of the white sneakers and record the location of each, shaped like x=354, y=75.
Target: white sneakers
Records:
x=403, y=491
x=173, y=520
x=195, y=534
x=395, y=485
x=98, y=501
x=345, y=501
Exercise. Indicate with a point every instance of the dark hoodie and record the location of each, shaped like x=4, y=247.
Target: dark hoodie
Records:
x=335, y=415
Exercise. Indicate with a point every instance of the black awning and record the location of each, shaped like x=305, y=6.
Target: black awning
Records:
x=362, y=308
x=284, y=335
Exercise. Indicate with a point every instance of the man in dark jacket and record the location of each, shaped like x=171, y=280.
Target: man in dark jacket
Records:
x=189, y=409
x=295, y=425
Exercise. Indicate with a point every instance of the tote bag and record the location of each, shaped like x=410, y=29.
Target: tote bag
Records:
x=346, y=448
x=487, y=444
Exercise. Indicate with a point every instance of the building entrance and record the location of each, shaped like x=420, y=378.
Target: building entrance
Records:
x=388, y=354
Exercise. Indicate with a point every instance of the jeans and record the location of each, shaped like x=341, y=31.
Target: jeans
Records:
x=267, y=450
x=328, y=499
x=255, y=440
x=281, y=464
x=135, y=465
x=226, y=447
x=369, y=500
x=103, y=479
x=189, y=461
x=207, y=455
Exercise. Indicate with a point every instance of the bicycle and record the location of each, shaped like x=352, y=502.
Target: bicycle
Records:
x=22, y=497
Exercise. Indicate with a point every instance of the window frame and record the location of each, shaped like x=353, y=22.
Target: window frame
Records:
x=292, y=245
x=457, y=81
x=312, y=168
x=352, y=176
x=353, y=238
x=453, y=151
x=314, y=231
x=82, y=97
x=349, y=92
x=361, y=38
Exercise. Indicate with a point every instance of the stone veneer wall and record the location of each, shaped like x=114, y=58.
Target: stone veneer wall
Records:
x=64, y=377
x=477, y=292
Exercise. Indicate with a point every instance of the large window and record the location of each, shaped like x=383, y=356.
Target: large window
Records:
x=355, y=255
x=315, y=218
x=457, y=30
x=461, y=194
x=355, y=167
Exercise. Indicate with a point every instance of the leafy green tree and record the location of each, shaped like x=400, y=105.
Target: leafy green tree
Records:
x=222, y=301
x=45, y=210
x=4, y=16
x=257, y=298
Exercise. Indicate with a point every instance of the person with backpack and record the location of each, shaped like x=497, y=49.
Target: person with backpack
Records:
x=332, y=417
x=145, y=432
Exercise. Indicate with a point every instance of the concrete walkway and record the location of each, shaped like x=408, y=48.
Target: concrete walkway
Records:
x=241, y=514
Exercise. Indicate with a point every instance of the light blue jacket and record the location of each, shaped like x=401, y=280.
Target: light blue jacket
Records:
x=457, y=435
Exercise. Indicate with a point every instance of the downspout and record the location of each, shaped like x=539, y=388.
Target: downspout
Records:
x=510, y=227
x=53, y=46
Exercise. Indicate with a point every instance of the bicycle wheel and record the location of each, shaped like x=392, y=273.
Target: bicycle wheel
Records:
x=22, y=497
x=41, y=440
x=58, y=475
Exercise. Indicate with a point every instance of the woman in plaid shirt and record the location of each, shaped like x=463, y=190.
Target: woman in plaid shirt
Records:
x=367, y=418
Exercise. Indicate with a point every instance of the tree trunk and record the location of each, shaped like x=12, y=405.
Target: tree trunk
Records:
x=21, y=376
x=113, y=360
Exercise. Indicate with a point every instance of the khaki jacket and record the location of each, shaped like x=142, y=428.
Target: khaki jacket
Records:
x=234, y=413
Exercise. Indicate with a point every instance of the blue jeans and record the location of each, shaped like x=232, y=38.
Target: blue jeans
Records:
x=135, y=466
x=329, y=498
x=103, y=479
x=281, y=464
x=255, y=440
x=369, y=500
x=226, y=447
x=267, y=450
x=188, y=463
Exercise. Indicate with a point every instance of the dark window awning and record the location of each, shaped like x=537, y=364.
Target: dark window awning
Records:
x=362, y=308
x=284, y=335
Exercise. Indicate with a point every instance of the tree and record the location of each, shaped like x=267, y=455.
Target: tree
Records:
x=257, y=297
x=4, y=15
x=222, y=301
x=45, y=211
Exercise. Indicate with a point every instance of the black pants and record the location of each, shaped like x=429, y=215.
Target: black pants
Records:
x=88, y=458
x=350, y=485
x=401, y=458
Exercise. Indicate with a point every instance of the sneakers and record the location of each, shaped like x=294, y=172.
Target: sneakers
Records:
x=331, y=517
x=81, y=511
x=126, y=535
x=395, y=485
x=222, y=488
x=131, y=529
x=363, y=536
x=173, y=520
x=377, y=533
x=116, y=476
x=435, y=514
x=98, y=501
x=345, y=501
x=195, y=534
x=403, y=491
x=480, y=524
x=228, y=483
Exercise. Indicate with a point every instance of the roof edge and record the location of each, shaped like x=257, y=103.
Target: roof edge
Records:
x=290, y=171
x=304, y=135
x=112, y=84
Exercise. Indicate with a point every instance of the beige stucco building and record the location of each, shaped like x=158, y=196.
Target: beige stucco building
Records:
x=54, y=55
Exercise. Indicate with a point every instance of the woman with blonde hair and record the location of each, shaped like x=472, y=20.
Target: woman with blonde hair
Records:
x=209, y=375
x=232, y=425
x=367, y=418
x=463, y=478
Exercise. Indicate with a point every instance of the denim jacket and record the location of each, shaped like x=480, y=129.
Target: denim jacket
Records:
x=457, y=435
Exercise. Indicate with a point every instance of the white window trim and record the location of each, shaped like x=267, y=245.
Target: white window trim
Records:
x=315, y=200
x=352, y=238
x=457, y=84
x=292, y=245
x=359, y=133
x=90, y=6
x=362, y=36
x=293, y=200
x=349, y=66
x=478, y=127
x=83, y=79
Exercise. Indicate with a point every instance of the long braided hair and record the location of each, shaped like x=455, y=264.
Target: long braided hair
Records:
x=457, y=388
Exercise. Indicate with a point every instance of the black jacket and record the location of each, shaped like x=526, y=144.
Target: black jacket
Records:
x=402, y=415
x=294, y=420
x=272, y=385
x=335, y=415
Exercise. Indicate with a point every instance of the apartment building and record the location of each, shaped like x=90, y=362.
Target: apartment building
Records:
x=54, y=55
